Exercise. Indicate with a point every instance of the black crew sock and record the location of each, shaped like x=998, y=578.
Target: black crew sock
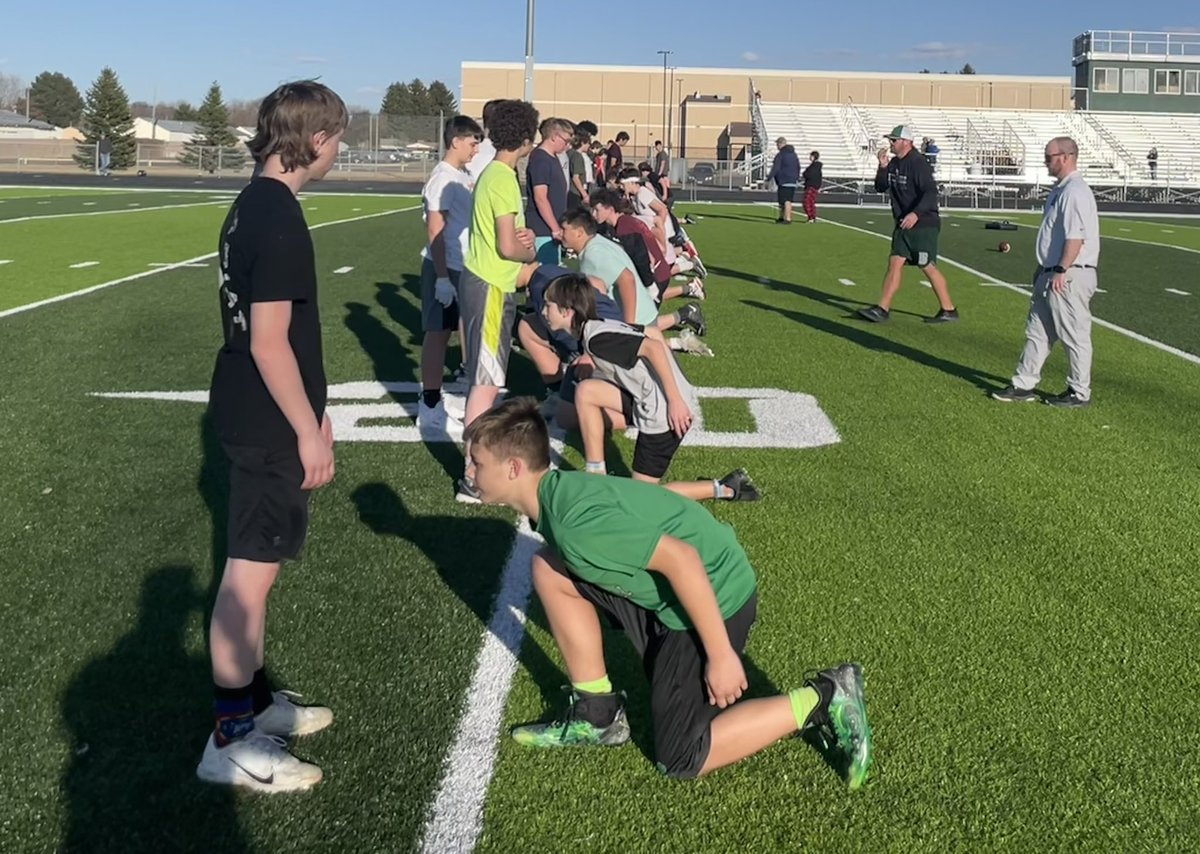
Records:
x=431, y=397
x=261, y=691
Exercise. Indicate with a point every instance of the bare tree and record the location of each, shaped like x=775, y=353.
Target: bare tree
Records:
x=12, y=92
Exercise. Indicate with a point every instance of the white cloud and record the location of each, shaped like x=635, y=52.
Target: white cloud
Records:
x=750, y=56
x=936, y=50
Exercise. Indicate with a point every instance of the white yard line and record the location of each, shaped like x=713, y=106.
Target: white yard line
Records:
x=83, y=264
x=847, y=282
x=1128, y=333
x=5, y=260
x=1177, y=291
x=341, y=270
x=108, y=213
x=1109, y=237
x=456, y=817
x=205, y=257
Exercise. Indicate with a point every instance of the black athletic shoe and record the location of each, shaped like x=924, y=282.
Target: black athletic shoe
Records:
x=945, y=315
x=691, y=315
x=466, y=493
x=1012, y=394
x=742, y=486
x=875, y=314
x=780, y=220
x=1069, y=399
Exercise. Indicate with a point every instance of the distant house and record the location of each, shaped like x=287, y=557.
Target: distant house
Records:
x=16, y=126
x=165, y=130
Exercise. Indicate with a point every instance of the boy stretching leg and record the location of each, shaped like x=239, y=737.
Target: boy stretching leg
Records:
x=679, y=583
x=268, y=406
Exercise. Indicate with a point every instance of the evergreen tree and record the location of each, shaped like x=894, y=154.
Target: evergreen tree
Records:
x=441, y=99
x=420, y=99
x=967, y=69
x=53, y=98
x=106, y=113
x=214, y=145
x=184, y=112
x=397, y=101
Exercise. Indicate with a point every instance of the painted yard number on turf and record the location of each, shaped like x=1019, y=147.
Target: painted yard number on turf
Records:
x=783, y=419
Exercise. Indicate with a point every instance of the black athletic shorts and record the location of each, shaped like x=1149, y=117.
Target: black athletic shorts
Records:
x=268, y=511
x=653, y=452
x=674, y=663
x=785, y=194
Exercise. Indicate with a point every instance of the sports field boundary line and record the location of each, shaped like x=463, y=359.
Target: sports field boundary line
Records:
x=456, y=817
x=976, y=218
x=1128, y=333
x=233, y=191
x=36, y=217
x=8, y=312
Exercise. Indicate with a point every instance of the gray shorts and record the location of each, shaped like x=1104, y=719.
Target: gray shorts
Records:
x=435, y=317
x=488, y=314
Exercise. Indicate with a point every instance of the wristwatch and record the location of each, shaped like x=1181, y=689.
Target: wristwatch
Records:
x=1059, y=268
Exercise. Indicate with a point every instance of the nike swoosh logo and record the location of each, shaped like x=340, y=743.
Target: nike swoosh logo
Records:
x=266, y=781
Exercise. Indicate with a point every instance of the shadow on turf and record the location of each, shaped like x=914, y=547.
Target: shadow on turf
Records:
x=469, y=553
x=858, y=335
x=137, y=719
x=850, y=306
x=397, y=360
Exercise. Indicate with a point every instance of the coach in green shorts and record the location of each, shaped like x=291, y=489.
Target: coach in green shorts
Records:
x=908, y=179
x=680, y=585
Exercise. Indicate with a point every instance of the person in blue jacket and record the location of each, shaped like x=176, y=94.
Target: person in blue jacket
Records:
x=785, y=172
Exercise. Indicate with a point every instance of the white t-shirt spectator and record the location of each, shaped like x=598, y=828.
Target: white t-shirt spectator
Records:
x=449, y=189
x=484, y=155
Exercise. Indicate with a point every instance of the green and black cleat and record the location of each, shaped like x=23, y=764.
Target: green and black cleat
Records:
x=846, y=715
x=577, y=728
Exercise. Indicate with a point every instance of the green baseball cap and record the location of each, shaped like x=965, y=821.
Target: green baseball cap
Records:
x=902, y=132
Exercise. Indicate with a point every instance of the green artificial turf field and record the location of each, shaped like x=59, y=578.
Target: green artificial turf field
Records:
x=1017, y=581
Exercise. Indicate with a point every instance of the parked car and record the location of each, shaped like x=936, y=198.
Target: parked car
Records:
x=703, y=173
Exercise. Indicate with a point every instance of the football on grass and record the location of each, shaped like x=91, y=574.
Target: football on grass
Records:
x=1004, y=246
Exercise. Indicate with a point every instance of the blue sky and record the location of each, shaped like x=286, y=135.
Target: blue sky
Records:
x=359, y=47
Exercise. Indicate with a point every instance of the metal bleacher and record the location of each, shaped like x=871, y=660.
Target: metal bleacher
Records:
x=987, y=144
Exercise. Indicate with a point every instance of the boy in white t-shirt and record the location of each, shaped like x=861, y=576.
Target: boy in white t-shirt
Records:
x=486, y=152
x=446, y=199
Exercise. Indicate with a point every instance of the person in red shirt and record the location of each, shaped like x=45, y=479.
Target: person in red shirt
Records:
x=610, y=208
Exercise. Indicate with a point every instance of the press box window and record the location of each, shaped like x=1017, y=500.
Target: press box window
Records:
x=1136, y=81
x=1191, y=82
x=1166, y=81
x=1106, y=80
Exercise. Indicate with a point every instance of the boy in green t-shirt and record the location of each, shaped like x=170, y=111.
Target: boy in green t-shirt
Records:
x=679, y=583
x=500, y=243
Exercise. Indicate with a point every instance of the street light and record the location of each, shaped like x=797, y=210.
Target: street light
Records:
x=665, y=54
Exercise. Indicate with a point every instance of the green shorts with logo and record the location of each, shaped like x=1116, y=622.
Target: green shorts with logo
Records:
x=917, y=246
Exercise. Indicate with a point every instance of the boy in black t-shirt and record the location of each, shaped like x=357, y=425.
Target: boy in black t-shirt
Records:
x=267, y=404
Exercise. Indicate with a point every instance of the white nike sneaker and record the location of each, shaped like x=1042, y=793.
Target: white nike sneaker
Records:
x=436, y=424
x=284, y=718
x=259, y=762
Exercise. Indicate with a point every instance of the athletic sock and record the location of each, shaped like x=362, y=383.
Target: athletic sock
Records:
x=810, y=704
x=718, y=492
x=596, y=686
x=594, y=467
x=260, y=690
x=234, y=711
x=431, y=397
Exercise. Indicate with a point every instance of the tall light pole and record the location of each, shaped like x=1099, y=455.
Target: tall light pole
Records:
x=529, y=4
x=665, y=54
x=670, y=110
